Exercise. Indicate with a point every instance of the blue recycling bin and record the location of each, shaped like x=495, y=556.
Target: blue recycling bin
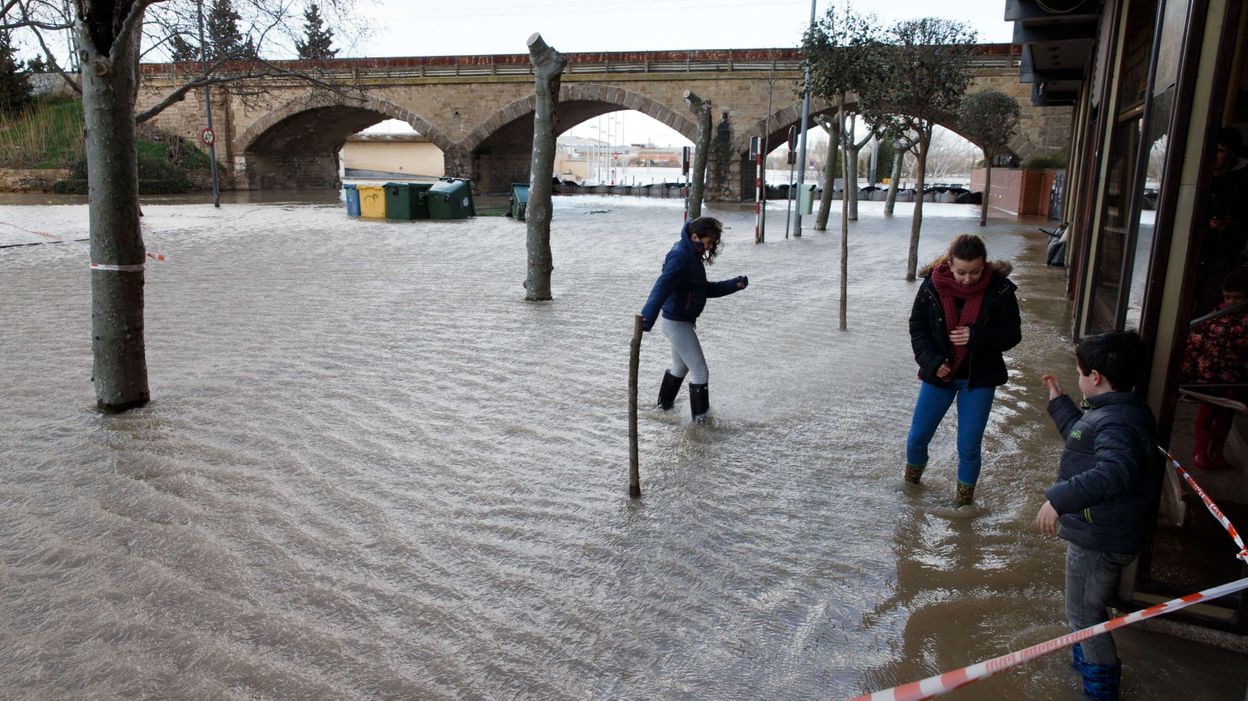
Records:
x=353, y=200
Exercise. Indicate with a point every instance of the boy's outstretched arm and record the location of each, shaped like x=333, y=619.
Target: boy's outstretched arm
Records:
x=1061, y=407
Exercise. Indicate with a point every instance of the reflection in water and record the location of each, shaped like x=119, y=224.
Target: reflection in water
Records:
x=371, y=470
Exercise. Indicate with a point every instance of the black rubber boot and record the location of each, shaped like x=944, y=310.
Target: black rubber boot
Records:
x=699, y=401
x=668, y=390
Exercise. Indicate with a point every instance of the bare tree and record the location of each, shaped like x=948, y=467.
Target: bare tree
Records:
x=697, y=177
x=108, y=36
x=988, y=118
x=928, y=61
x=548, y=66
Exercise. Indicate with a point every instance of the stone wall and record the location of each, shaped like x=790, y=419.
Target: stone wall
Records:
x=31, y=180
x=482, y=120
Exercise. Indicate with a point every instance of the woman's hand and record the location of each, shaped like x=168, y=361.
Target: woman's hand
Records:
x=944, y=371
x=960, y=336
x=743, y=282
x=1052, y=384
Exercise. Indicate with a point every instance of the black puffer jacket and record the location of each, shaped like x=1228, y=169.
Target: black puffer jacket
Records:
x=997, y=330
x=1109, y=480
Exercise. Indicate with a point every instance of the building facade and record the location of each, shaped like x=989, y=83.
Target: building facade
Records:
x=1157, y=224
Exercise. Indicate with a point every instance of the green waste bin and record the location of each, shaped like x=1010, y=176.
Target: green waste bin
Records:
x=806, y=201
x=407, y=200
x=451, y=198
x=519, y=201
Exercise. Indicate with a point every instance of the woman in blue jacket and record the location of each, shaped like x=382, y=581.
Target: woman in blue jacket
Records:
x=681, y=293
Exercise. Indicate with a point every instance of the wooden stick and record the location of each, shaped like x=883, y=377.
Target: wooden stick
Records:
x=634, y=360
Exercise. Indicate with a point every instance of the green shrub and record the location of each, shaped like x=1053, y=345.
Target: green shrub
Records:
x=1048, y=161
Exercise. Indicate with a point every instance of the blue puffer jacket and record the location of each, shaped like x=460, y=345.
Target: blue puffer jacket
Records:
x=682, y=288
x=1109, y=479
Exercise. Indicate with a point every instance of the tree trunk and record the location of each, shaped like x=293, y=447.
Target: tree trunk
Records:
x=846, y=166
x=702, y=148
x=109, y=52
x=851, y=181
x=898, y=156
x=829, y=179
x=850, y=149
x=548, y=67
x=983, y=205
x=912, y=261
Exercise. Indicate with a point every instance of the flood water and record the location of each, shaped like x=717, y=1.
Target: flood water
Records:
x=371, y=470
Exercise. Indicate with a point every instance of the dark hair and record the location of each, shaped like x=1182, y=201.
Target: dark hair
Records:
x=703, y=226
x=968, y=247
x=1231, y=139
x=1118, y=355
x=1236, y=280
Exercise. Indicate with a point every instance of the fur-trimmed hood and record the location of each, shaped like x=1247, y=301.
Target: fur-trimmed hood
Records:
x=1000, y=267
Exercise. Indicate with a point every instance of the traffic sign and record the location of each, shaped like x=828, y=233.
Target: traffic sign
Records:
x=207, y=136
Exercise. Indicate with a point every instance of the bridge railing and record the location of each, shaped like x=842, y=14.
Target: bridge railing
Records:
x=727, y=60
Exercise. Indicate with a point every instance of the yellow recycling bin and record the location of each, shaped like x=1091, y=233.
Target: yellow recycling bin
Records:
x=372, y=201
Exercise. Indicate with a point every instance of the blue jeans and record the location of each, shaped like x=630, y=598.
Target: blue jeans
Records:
x=1091, y=578
x=974, y=406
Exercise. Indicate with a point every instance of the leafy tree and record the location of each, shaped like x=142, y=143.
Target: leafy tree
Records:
x=927, y=62
x=14, y=82
x=226, y=42
x=318, y=40
x=988, y=119
x=39, y=65
x=843, y=54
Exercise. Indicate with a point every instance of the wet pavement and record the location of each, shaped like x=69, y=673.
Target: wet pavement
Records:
x=370, y=469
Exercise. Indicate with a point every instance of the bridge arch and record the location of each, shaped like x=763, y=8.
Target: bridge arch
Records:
x=498, y=151
x=296, y=145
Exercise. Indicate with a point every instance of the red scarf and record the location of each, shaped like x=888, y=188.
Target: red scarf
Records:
x=949, y=291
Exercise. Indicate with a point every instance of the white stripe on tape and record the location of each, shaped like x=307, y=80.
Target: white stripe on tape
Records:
x=948, y=681
x=118, y=268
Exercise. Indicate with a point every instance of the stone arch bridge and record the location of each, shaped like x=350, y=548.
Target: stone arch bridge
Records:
x=479, y=109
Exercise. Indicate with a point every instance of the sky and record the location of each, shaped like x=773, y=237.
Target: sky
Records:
x=422, y=28
x=410, y=28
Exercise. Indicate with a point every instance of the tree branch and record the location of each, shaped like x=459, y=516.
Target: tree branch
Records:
x=73, y=84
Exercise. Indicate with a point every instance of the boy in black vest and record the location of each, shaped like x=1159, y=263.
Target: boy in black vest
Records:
x=1105, y=499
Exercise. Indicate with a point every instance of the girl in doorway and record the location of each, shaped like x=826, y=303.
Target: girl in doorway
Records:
x=1216, y=366
x=964, y=317
x=681, y=293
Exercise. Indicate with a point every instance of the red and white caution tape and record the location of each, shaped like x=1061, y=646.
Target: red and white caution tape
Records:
x=160, y=257
x=948, y=681
x=944, y=683
x=1213, y=508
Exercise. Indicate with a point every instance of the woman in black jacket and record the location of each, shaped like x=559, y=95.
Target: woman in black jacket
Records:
x=964, y=317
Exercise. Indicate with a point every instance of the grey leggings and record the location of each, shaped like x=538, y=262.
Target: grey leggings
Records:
x=687, y=355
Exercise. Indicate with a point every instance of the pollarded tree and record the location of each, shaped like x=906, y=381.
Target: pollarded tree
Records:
x=988, y=119
x=548, y=65
x=317, y=43
x=701, y=109
x=928, y=62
